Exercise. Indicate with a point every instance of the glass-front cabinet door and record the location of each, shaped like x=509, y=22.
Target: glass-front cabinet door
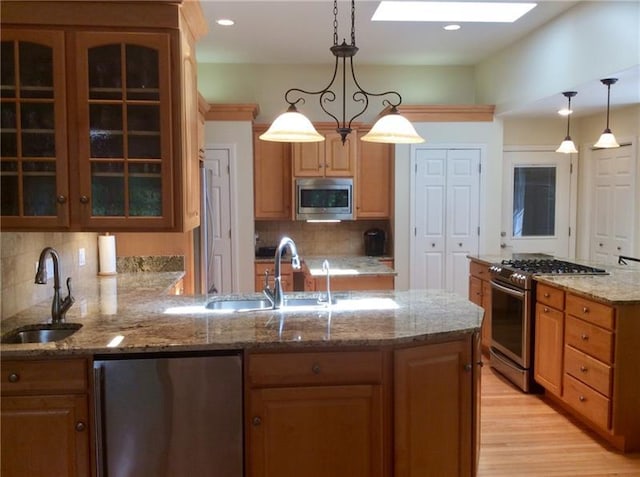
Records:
x=34, y=168
x=124, y=133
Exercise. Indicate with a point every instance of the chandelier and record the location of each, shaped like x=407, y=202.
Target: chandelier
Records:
x=293, y=126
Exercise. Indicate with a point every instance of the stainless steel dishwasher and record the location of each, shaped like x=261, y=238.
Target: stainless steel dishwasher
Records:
x=169, y=416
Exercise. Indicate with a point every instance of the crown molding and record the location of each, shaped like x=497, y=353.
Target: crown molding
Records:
x=232, y=112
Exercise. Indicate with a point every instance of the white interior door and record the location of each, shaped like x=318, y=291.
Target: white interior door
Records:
x=216, y=223
x=536, y=202
x=445, y=217
x=613, y=204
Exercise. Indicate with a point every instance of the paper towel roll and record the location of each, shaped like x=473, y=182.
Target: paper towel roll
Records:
x=107, y=254
x=109, y=295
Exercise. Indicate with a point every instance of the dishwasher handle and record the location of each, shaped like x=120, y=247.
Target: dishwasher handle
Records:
x=98, y=382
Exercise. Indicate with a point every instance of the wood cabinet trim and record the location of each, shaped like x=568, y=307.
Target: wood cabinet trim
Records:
x=232, y=112
x=447, y=113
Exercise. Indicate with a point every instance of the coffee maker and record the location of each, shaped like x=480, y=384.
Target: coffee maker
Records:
x=374, y=242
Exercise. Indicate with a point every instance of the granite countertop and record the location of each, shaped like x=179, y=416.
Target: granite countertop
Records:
x=134, y=312
x=342, y=265
x=348, y=266
x=620, y=286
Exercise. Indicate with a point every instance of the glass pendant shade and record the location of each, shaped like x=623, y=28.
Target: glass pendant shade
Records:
x=393, y=128
x=292, y=126
x=607, y=140
x=567, y=146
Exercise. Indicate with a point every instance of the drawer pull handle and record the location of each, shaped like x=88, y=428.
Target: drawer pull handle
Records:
x=584, y=337
x=315, y=368
x=585, y=309
x=582, y=398
x=546, y=310
x=546, y=295
x=583, y=368
x=14, y=377
x=80, y=426
x=256, y=421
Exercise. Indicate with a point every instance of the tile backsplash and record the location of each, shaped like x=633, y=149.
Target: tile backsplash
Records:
x=19, y=252
x=314, y=239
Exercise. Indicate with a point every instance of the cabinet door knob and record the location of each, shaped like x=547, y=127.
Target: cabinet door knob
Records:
x=584, y=337
x=583, y=368
x=14, y=377
x=80, y=426
x=468, y=367
x=315, y=368
x=84, y=199
x=582, y=398
x=61, y=199
x=256, y=421
x=546, y=310
x=546, y=295
x=585, y=309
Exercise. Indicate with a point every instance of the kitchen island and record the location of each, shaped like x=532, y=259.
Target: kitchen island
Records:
x=382, y=383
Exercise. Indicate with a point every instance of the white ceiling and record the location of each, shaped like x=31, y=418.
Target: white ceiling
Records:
x=301, y=32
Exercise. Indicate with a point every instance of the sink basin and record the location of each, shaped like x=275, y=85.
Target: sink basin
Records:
x=42, y=333
x=238, y=304
x=248, y=304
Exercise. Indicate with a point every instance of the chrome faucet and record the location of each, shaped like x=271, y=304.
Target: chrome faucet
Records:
x=326, y=269
x=276, y=296
x=59, y=307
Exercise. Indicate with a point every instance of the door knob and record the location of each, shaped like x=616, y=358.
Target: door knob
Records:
x=84, y=199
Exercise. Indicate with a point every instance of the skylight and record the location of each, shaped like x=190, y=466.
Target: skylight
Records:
x=412, y=11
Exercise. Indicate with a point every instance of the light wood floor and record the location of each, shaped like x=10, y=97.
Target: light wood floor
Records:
x=522, y=436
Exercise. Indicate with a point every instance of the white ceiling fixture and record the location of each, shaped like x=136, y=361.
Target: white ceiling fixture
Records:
x=225, y=22
x=452, y=27
x=479, y=12
x=607, y=139
x=567, y=146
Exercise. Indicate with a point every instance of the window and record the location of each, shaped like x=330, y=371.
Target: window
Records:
x=534, y=201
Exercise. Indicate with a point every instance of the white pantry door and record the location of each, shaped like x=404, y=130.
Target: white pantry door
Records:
x=536, y=202
x=216, y=223
x=614, y=207
x=446, y=207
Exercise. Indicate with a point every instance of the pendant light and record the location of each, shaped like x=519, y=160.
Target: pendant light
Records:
x=567, y=146
x=293, y=126
x=607, y=139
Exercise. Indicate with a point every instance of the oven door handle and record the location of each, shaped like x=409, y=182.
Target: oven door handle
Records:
x=507, y=290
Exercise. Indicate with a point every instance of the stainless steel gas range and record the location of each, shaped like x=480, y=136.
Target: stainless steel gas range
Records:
x=512, y=311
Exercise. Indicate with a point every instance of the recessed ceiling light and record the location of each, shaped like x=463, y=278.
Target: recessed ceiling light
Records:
x=452, y=27
x=225, y=22
x=412, y=11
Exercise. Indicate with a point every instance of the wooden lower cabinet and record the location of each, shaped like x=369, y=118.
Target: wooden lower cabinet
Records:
x=316, y=431
x=480, y=294
x=286, y=276
x=549, y=346
x=406, y=411
x=433, y=410
x=45, y=419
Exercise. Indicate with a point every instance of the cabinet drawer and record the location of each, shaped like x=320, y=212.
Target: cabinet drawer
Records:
x=591, y=311
x=479, y=270
x=591, y=404
x=475, y=290
x=550, y=296
x=285, y=268
x=589, y=338
x=588, y=370
x=315, y=368
x=60, y=375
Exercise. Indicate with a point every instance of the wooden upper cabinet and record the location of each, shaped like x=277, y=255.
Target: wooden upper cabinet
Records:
x=34, y=154
x=272, y=179
x=374, y=185
x=120, y=151
x=124, y=134
x=329, y=158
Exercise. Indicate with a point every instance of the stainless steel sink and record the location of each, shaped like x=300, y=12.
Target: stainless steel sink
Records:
x=254, y=304
x=238, y=304
x=41, y=333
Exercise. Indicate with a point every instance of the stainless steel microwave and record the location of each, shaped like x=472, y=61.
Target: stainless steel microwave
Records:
x=324, y=199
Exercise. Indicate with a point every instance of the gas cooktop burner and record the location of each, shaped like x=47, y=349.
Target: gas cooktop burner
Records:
x=552, y=266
